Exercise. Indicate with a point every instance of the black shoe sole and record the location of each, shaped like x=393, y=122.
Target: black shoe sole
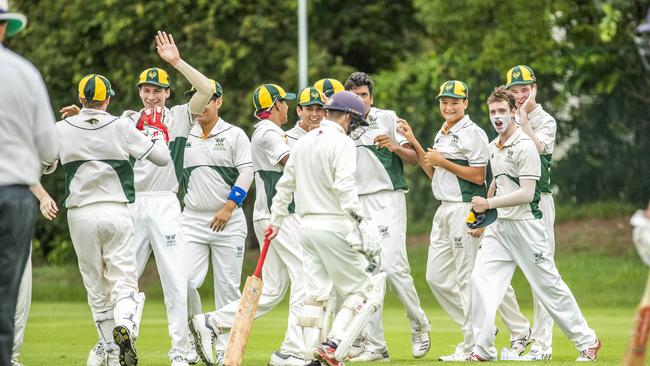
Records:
x=128, y=354
x=197, y=343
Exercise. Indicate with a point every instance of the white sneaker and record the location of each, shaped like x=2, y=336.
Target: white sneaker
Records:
x=518, y=346
x=369, y=356
x=420, y=343
x=455, y=357
x=358, y=346
x=537, y=354
x=590, y=354
x=282, y=359
x=204, y=337
x=97, y=355
x=220, y=358
x=179, y=361
x=192, y=357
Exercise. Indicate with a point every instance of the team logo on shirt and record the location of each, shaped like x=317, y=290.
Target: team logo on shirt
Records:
x=219, y=143
x=188, y=144
x=510, y=155
x=92, y=121
x=239, y=252
x=455, y=139
x=171, y=240
x=383, y=231
x=372, y=122
x=458, y=242
x=539, y=257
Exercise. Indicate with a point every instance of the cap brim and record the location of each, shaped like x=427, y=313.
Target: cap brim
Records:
x=450, y=96
x=483, y=219
x=154, y=84
x=15, y=23
x=288, y=96
x=313, y=102
x=521, y=82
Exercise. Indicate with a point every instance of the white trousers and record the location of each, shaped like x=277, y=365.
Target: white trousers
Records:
x=282, y=269
x=157, y=219
x=388, y=210
x=225, y=249
x=452, y=252
x=517, y=324
x=102, y=237
x=22, y=308
x=509, y=244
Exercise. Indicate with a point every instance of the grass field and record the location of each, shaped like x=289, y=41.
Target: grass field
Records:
x=595, y=257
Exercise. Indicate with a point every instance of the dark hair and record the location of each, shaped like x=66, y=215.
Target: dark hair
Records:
x=501, y=94
x=92, y=104
x=357, y=79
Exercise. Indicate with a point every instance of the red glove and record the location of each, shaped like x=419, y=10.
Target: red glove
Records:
x=152, y=118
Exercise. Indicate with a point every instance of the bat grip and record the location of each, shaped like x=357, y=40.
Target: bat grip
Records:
x=260, y=262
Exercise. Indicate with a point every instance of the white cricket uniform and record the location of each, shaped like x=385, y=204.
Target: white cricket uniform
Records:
x=157, y=216
x=452, y=250
x=382, y=187
x=96, y=149
x=518, y=239
x=210, y=170
x=283, y=266
x=545, y=127
x=22, y=308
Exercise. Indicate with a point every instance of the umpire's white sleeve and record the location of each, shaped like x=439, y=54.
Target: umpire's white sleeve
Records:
x=344, y=164
x=284, y=193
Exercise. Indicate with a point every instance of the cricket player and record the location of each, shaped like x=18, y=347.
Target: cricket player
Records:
x=381, y=152
x=95, y=152
x=320, y=172
x=518, y=238
x=541, y=129
x=217, y=174
x=283, y=266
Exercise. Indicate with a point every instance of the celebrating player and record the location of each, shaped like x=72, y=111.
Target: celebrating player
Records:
x=381, y=152
x=310, y=111
x=518, y=239
x=321, y=173
x=95, y=153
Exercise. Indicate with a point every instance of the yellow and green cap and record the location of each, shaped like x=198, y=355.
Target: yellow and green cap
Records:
x=310, y=96
x=265, y=96
x=154, y=76
x=329, y=86
x=216, y=88
x=453, y=89
x=95, y=87
x=520, y=75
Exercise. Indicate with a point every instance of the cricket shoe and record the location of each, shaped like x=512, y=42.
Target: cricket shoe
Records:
x=313, y=363
x=282, y=359
x=179, y=361
x=518, y=346
x=204, y=337
x=455, y=357
x=537, y=354
x=369, y=356
x=358, y=346
x=97, y=355
x=325, y=354
x=420, y=343
x=590, y=354
x=122, y=337
x=475, y=357
x=220, y=358
x=192, y=357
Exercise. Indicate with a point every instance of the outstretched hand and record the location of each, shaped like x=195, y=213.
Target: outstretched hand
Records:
x=166, y=48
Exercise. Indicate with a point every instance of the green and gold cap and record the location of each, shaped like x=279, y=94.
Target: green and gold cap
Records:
x=154, y=76
x=329, y=86
x=520, y=75
x=453, y=89
x=216, y=88
x=310, y=96
x=265, y=96
x=95, y=87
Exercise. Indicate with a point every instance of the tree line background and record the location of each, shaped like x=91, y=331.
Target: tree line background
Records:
x=589, y=73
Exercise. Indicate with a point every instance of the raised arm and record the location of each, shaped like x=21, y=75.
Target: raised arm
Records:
x=404, y=128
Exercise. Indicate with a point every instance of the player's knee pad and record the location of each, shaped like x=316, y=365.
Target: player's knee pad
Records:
x=128, y=312
x=312, y=313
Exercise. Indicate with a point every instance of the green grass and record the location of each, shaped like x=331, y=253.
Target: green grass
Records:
x=596, y=260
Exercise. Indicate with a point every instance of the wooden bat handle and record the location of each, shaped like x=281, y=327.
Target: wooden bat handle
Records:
x=260, y=262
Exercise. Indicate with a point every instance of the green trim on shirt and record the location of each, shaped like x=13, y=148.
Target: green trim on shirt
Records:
x=467, y=188
x=228, y=174
x=393, y=165
x=534, y=204
x=270, y=179
x=177, y=151
x=545, y=179
x=123, y=168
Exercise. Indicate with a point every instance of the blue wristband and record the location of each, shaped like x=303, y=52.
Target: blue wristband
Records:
x=237, y=195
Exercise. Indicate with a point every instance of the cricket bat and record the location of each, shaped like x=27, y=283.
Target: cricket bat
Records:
x=246, y=312
x=636, y=347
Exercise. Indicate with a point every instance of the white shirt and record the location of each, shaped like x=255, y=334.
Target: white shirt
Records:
x=28, y=135
x=321, y=173
x=150, y=177
x=464, y=144
x=545, y=129
x=95, y=151
x=212, y=165
x=269, y=144
x=517, y=159
x=294, y=134
x=378, y=169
